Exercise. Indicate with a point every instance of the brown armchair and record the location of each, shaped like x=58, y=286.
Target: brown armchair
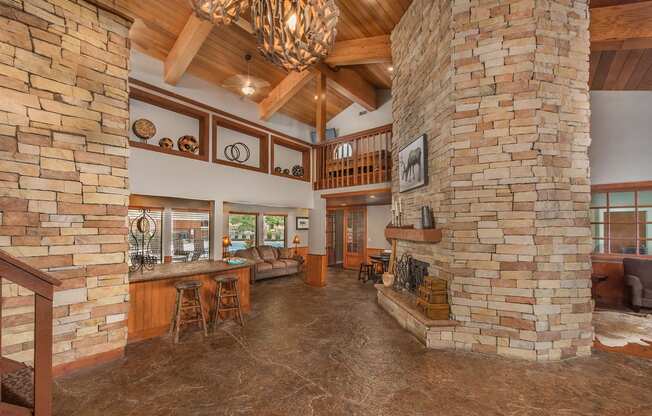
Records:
x=638, y=278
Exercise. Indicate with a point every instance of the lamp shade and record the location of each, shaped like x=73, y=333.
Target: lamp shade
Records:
x=296, y=240
x=226, y=241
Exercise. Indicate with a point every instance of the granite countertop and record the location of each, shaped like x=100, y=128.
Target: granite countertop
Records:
x=174, y=270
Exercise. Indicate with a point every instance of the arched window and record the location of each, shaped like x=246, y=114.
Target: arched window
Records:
x=342, y=151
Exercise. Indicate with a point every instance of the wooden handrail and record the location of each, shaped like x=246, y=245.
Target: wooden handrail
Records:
x=42, y=285
x=360, y=134
x=27, y=276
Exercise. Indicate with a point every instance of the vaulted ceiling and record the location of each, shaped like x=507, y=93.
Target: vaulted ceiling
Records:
x=159, y=23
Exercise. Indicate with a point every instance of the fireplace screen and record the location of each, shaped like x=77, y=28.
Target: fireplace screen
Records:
x=409, y=273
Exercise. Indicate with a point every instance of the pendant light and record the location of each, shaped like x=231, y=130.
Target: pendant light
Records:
x=219, y=11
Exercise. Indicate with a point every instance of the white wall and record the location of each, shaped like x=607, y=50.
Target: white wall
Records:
x=378, y=216
x=350, y=121
x=621, y=129
x=158, y=174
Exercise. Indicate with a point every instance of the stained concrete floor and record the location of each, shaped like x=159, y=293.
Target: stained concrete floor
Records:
x=333, y=351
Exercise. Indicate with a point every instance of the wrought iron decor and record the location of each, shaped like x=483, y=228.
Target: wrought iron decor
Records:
x=237, y=152
x=142, y=230
x=409, y=273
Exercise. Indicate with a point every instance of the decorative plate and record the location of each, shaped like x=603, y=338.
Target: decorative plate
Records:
x=144, y=129
x=166, y=143
x=286, y=171
x=188, y=144
x=298, y=171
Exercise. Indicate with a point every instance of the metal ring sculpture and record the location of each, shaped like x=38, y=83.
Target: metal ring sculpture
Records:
x=237, y=152
x=142, y=230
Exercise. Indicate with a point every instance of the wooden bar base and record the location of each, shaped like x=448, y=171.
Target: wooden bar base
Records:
x=316, y=270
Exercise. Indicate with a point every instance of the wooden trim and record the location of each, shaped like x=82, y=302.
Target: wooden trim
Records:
x=214, y=110
x=625, y=186
x=387, y=128
x=27, y=276
x=164, y=103
x=263, y=145
x=357, y=193
x=306, y=158
x=88, y=362
x=316, y=270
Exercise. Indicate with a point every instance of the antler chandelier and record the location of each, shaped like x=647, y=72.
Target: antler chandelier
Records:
x=293, y=34
x=219, y=11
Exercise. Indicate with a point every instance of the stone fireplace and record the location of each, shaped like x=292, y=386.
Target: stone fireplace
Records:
x=501, y=90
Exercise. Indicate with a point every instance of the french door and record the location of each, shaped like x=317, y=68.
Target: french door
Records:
x=355, y=236
x=331, y=235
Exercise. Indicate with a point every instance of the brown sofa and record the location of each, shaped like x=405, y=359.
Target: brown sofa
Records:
x=638, y=277
x=270, y=262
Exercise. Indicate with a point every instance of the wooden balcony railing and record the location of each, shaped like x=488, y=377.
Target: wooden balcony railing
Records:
x=26, y=391
x=359, y=159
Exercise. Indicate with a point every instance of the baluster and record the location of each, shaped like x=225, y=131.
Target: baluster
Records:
x=354, y=154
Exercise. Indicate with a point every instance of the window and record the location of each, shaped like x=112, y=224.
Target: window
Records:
x=153, y=247
x=190, y=235
x=621, y=222
x=342, y=151
x=242, y=231
x=274, y=230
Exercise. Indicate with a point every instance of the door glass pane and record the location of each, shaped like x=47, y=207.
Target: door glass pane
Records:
x=598, y=246
x=645, y=197
x=621, y=199
x=190, y=236
x=355, y=229
x=242, y=231
x=274, y=230
x=599, y=200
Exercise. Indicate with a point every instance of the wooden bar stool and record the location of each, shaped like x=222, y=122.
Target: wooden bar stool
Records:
x=227, y=299
x=366, y=272
x=187, y=310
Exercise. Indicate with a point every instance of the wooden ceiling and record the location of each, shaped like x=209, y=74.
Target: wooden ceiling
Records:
x=621, y=45
x=158, y=24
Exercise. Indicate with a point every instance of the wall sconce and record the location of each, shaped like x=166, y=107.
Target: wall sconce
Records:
x=226, y=243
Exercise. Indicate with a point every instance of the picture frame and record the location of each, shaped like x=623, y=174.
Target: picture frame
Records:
x=303, y=223
x=413, y=164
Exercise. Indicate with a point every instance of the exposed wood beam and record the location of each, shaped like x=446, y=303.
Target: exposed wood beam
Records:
x=621, y=22
x=185, y=48
x=322, y=87
x=351, y=85
x=283, y=93
x=373, y=50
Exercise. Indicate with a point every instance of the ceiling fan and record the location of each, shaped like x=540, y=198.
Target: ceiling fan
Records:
x=246, y=85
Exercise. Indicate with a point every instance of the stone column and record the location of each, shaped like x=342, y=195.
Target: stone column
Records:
x=64, y=191
x=516, y=167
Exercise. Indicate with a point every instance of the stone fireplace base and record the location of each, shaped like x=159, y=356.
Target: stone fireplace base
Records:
x=402, y=307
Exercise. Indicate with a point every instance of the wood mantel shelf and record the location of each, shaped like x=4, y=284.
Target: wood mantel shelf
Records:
x=432, y=235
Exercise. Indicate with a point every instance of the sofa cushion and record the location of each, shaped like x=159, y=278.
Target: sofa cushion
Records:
x=267, y=253
x=285, y=253
x=263, y=267
x=279, y=264
x=291, y=263
x=249, y=254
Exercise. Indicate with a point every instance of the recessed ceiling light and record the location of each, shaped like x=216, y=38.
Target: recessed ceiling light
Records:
x=372, y=196
x=390, y=69
x=316, y=97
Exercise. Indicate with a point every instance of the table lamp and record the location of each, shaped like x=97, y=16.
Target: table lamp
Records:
x=296, y=243
x=226, y=243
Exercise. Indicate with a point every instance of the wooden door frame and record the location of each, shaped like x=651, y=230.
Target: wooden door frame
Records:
x=328, y=211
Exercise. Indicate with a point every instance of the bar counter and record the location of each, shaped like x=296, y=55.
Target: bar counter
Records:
x=152, y=293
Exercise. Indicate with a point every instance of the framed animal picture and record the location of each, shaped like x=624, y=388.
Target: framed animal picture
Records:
x=303, y=223
x=413, y=164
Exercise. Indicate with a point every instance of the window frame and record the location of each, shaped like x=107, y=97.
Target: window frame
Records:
x=228, y=225
x=210, y=231
x=608, y=189
x=285, y=228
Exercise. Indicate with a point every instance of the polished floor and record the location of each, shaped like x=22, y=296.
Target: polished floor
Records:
x=332, y=351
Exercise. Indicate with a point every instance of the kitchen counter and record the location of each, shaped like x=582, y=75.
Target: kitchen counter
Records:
x=175, y=270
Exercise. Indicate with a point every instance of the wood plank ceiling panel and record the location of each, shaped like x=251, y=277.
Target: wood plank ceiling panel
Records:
x=159, y=22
